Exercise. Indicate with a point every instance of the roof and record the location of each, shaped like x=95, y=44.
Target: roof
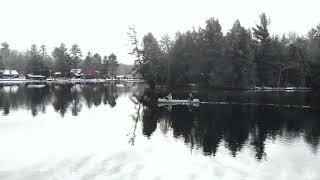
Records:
x=10, y=72
x=14, y=72
x=78, y=71
x=57, y=73
x=6, y=72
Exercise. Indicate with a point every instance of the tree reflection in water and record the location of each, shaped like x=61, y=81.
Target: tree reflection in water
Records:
x=207, y=127
x=211, y=125
x=63, y=97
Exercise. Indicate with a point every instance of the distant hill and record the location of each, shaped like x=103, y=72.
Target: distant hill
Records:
x=124, y=69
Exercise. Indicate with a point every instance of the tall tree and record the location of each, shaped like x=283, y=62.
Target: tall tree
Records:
x=97, y=63
x=87, y=64
x=213, y=38
x=263, y=51
x=135, y=51
x=151, y=68
x=166, y=45
x=213, y=52
x=1, y=63
x=43, y=51
x=5, y=53
x=184, y=59
x=75, y=55
x=105, y=66
x=35, y=63
x=313, y=50
x=112, y=64
x=261, y=32
x=239, y=55
x=62, y=59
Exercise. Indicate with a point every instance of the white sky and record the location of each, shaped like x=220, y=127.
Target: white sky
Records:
x=101, y=25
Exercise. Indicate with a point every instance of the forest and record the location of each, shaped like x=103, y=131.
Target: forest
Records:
x=37, y=61
x=238, y=59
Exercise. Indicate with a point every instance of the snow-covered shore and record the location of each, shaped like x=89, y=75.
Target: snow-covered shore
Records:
x=22, y=80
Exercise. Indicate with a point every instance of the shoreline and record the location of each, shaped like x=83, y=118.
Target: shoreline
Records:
x=60, y=81
x=21, y=81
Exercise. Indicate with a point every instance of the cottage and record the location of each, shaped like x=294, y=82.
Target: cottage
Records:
x=77, y=73
x=9, y=74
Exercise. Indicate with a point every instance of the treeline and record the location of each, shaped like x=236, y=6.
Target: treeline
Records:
x=241, y=58
x=37, y=61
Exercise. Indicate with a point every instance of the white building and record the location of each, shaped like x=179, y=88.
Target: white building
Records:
x=76, y=73
x=9, y=73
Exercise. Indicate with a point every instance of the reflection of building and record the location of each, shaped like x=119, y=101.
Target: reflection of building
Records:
x=126, y=77
x=9, y=74
x=10, y=89
x=35, y=77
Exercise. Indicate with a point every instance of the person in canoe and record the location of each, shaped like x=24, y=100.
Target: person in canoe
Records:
x=169, y=97
x=190, y=97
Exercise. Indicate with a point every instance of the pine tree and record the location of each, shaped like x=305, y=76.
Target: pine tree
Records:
x=62, y=59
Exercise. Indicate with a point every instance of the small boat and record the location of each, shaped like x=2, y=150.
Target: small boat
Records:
x=173, y=104
x=176, y=101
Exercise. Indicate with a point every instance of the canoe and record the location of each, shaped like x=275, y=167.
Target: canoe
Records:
x=176, y=101
x=174, y=104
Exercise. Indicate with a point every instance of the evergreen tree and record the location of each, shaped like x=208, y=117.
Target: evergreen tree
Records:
x=112, y=64
x=239, y=55
x=35, y=63
x=75, y=55
x=313, y=52
x=47, y=60
x=4, y=54
x=97, y=63
x=166, y=46
x=151, y=69
x=1, y=63
x=87, y=65
x=214, y=51
x=263, y=56
x=105, y=66
x=62, y=59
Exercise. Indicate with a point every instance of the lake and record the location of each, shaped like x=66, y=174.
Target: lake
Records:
x=117, y=131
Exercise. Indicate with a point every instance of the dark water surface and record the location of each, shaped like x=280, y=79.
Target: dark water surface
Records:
x=114, y=131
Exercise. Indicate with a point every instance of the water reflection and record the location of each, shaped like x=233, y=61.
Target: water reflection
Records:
x=205, y=128
x=233, y=125
x=63, y=97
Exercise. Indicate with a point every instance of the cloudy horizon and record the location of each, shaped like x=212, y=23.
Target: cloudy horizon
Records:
x=102, y=26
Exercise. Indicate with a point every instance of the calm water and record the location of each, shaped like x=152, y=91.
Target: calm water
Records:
x=109, y=131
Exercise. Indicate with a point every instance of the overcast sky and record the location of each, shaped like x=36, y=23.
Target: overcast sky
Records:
x=101, y=25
